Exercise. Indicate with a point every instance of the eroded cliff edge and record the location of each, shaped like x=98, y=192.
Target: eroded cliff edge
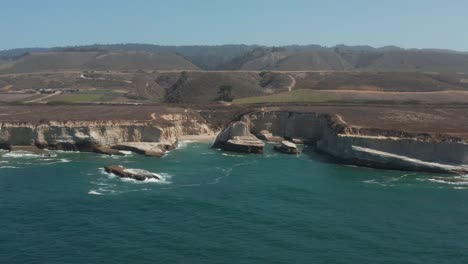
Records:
x=154, y=136
x=390, y=149
x=326, y=132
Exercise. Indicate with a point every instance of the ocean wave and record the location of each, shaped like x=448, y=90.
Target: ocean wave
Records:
x=94, y=192
x=164, y=178
x=126, y=152
x=63, y=151
x=104, y=172
x=375, y=181
x=20, y=154
x=184, y=143
x=8, y=167
x=455, y=180
x=233, y=155
x=26, y=154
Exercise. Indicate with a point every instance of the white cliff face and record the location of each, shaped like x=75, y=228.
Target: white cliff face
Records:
x=100, y=132
x=236, y=129
x=237, y=137
x=104, y=133
x=336, y=139
x=444, y=152
x=187, y=125
x=308, y=127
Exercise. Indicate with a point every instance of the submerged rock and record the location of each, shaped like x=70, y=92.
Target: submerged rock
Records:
x=237, y=137
x=107, y=151
x=30, y=149
x=287, y=148
x=136, y=174
x=5, y=146
x=144, y=148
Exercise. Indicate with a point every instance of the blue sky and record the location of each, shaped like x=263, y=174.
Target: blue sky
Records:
x=409, y=23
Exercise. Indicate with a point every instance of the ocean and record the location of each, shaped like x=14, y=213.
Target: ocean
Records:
x=220, y=207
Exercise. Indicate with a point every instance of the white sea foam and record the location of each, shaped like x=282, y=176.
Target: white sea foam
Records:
x=64, y=151
x=126, y=152
x=375, y=181
x=8, y=167
x=20, y=154
x=93, y=192
x=164, y=178
x=26, y=154
x=460, y=180
x=110, y=175
x=232, y=155
x=184, y=144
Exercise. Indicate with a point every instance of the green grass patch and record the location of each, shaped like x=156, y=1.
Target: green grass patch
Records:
x=77, y=98
x=295, y=96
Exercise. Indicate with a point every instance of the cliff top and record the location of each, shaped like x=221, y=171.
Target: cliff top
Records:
x=433, y=120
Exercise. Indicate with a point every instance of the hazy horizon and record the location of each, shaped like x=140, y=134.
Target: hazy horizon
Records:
x=411, y=25
x=234, y=44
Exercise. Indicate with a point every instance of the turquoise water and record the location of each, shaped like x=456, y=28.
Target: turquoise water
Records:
x=215, y=207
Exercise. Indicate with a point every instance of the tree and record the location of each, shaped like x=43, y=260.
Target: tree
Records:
x=225, y=93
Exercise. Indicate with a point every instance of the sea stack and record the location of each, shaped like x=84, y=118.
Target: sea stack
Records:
x=287, y=148
x=237, y=137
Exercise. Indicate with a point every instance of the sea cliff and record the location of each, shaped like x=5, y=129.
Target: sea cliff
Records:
x=394, y=149
x=86, y=135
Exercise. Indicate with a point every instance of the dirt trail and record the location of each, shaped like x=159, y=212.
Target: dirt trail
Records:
x=42, y=98
x=293, y=82
x=340, y=118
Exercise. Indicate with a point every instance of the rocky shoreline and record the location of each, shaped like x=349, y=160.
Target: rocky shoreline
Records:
x=346, y=144
x=327, y=134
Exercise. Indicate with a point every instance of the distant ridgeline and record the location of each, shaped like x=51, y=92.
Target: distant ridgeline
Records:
x=233, y=57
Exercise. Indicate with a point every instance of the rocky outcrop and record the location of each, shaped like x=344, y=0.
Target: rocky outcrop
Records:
x=364, y=146
x=145, y=148
x=107, y=151
x=136, y=174
x=267, y=136
x=236, y=137
x=287, y=148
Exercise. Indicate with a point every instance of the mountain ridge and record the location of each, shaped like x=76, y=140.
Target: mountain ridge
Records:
x=262, y=58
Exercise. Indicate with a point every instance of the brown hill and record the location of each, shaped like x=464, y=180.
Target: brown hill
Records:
x=375, y=60
x=297, y=61
x=53, y=61
x=202, y=87
x=425, y=61
x=381, y=81
x=139, y=60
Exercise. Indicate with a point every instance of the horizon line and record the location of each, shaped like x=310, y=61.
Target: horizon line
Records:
x=233, y=44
